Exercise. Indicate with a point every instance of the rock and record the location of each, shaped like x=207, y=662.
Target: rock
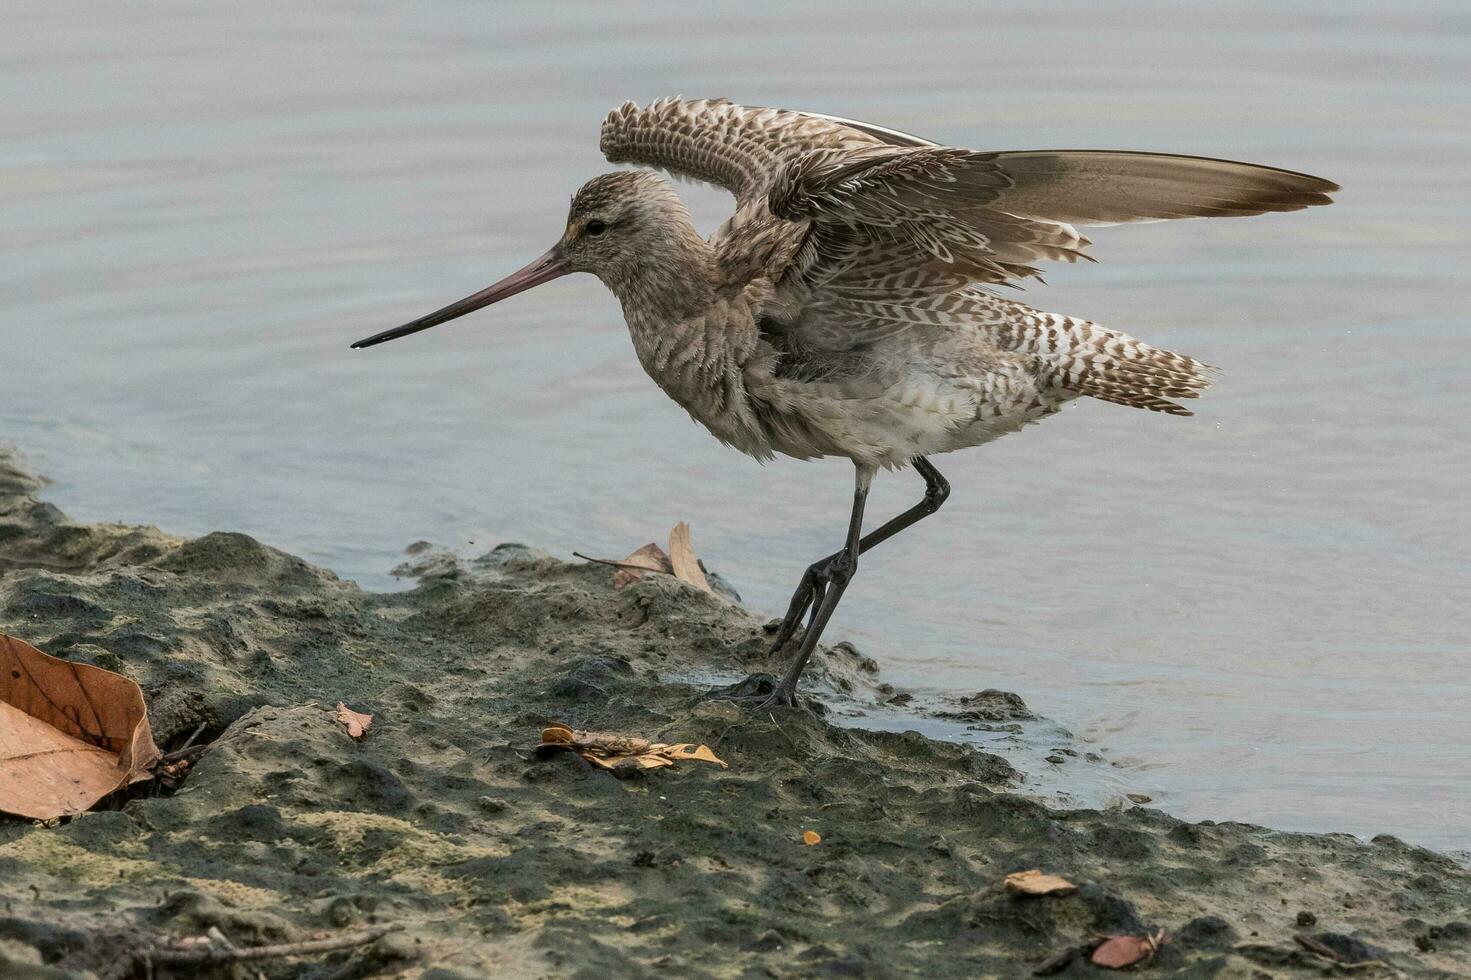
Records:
x=492, y=804
x=987, y=705
x=1207, y=932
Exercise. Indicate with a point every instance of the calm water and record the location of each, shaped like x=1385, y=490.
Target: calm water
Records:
x=1264, y=609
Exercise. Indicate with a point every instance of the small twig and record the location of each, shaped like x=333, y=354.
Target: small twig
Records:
x=625, y=565
x=186, y=751
x=214, y=954
x=190, y=740
x=179, y=755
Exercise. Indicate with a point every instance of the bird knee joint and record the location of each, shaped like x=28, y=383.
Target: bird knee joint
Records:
x=936, y=495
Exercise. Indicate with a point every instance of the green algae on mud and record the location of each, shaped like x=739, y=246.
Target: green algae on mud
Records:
x=497, y=864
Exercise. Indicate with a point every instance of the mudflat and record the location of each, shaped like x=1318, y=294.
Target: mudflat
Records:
x=498, y=863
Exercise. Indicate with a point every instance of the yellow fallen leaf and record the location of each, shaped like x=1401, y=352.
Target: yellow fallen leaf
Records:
x=699, y=753
x=810, y=837
x=1034, y=882
x=615, y=762
x=557, y=735
x=610, y=743
x=682, y=557
x=622, y=753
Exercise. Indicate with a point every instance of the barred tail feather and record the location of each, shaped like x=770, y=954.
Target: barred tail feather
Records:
x=1087, y=359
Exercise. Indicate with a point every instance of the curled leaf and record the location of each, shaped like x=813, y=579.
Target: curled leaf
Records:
x=811, y=837
x=649, y=558
x=1034, y=882
x=356, y=723
x=69, y=733
x=557, y=735
x=679, y=561
x=1121, y=952
x=682, y=557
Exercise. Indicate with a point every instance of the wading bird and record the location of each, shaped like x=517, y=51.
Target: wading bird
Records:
x=844, y=309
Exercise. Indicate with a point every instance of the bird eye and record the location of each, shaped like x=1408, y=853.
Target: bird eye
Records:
x=595, y=228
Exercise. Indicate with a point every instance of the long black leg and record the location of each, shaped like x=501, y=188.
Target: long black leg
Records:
x=815, y=580
x=839, y=574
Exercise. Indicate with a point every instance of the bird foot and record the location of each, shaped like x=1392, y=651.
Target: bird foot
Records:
x=756, y=693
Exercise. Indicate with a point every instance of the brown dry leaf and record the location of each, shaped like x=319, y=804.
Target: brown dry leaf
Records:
x=356, y=723
x=1034, y=882
x=649, y=558
x=682, y=557
x=811, y=837
x=69, y=733
x=1121, y=952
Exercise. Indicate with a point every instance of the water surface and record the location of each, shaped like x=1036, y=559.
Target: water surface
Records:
x=1262, y=610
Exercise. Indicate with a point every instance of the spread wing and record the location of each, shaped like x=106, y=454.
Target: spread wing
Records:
x=854, y=222
x=829, y=172
x=897, y=237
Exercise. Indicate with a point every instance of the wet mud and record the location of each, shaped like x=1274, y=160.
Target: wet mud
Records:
x=496, y=863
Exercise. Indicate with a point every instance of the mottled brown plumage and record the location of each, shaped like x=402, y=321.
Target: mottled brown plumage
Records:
x=845, y=308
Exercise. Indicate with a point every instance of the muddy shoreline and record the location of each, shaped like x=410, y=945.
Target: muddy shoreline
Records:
x=496, y=863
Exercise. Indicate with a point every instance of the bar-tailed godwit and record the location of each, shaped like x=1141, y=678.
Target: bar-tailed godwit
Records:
x=846, y=308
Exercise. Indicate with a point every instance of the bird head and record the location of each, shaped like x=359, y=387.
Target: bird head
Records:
x=618, y=223
x=616, y=220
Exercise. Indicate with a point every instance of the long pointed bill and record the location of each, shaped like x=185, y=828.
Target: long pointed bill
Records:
x=550, y=266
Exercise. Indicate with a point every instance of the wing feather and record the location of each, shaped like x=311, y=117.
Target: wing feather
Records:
x=740, y=148
x=865, y=230
x=1092, y=187
x=931, y=207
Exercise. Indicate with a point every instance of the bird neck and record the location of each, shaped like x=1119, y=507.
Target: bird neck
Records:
x=692, y=340
x=671, y=280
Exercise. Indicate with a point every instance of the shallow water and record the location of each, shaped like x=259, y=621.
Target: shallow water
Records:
x=1263, y=608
